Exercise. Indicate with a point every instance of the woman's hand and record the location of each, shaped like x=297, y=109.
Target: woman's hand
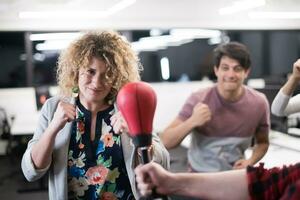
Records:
x=65, y=112
x=118, y=123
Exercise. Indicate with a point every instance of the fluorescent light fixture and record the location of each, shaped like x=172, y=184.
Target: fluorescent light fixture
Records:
x=177, y=37
x=274, y=15
x=54, y=36
x=52, y=45
x=241, y=5
x=165, y=40
x=156, y=32
x=139, y=46
x=149, y=44
x=258, y=83
x=76, y=13
x=195, y=33
x=158, y=42
x=61, y=14
x=165, y=68
x=214, y=40
x=39, y=57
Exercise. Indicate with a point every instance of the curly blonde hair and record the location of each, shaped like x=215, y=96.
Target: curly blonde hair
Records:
x=122, y=62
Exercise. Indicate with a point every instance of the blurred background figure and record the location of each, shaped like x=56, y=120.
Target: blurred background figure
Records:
x=221, y=118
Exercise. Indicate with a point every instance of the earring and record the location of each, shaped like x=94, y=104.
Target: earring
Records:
x=75, y=89
x=110, y=102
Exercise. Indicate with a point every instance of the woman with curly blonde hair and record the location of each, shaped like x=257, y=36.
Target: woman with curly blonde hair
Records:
x=78, y=139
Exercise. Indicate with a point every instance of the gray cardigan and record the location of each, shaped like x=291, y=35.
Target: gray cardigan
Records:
x=58, y=189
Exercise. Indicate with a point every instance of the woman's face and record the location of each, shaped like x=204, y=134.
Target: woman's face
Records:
x=92, y=84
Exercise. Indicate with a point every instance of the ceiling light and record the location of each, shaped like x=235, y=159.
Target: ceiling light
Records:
x=241, y=6
x=53, y=45
x=76, y=13
x=177, y=37
x=195, y=33
x=274, y=15
x=156, y=32
x=165, y=68
x=54, y=36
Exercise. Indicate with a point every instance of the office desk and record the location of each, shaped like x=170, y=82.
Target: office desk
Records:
x=283, y=149
x=21, y=125
x=20, y=106
x=24, y=124
x=21, y=109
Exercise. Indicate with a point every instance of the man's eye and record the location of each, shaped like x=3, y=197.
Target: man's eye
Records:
x=238, y=69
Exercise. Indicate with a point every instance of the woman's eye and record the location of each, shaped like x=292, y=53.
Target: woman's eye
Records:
x=90, y=72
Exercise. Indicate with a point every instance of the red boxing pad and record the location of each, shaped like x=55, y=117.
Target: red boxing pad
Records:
x=137, y=103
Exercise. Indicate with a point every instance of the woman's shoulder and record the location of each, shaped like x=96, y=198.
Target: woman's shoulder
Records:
x=51, y=103
x=53, y=99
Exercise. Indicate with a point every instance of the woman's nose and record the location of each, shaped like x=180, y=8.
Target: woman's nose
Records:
x=98, y=81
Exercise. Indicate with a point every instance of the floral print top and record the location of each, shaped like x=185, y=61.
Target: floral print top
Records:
x=96, y=169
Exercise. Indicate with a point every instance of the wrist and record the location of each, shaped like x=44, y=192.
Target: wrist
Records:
x=54, y=128
x=193, y=123
x=177, y=184
x=251, y=161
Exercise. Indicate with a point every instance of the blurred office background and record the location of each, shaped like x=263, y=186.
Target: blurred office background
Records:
x=174, y=40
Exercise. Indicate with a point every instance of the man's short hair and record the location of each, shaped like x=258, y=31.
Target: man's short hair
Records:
x=234, y=50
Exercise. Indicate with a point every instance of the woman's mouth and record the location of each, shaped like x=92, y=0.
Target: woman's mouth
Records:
x=95, y=90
